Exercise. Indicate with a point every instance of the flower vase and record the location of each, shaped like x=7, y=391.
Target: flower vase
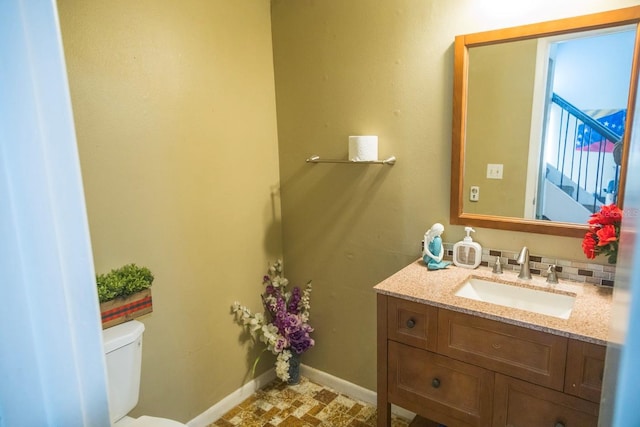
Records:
x=294, y=369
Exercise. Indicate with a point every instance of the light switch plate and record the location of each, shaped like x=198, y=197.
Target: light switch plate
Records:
x=494, y=171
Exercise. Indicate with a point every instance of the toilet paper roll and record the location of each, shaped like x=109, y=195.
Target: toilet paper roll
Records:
x=363, y=148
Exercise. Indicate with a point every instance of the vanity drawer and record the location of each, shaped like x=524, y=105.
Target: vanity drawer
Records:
x=534, y=356
x=439, y=388
x=412, y=323
x=521, y=404
x=585, y=367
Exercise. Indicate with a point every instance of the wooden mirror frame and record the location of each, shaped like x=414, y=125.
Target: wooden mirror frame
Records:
x=614, y=18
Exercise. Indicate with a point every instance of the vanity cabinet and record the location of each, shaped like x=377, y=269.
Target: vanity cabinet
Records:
x=462, y=370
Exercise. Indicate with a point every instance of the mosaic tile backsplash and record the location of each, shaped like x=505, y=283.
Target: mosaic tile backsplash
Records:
x=585, y=272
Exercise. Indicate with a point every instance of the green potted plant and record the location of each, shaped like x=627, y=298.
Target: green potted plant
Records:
x=124, y=293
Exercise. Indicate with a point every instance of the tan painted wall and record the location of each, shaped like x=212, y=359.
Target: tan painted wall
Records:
x=383, y=68
x=501, y=76
x=174, y=106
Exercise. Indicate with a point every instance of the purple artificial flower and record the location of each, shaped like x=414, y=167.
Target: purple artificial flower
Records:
x=285, y=316
x=294, y=301
x=266, y=280
x=291, y=322
x=300, y=340
x=281, y=344
x=285, y=322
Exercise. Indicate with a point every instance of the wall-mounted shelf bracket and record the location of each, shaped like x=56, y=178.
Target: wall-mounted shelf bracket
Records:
x=388, y=161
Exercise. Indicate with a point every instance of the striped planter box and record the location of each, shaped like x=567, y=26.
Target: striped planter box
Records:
x=121, y=310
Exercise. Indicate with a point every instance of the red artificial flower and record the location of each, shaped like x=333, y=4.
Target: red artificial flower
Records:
x=606, y=235
x=603, y=234
x=589, y=245
x=608, y=215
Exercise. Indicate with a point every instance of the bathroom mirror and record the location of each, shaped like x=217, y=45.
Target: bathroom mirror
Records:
x=537, y=143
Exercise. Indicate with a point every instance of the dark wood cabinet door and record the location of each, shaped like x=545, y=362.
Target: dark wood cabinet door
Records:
x=522, y=404
x=585, y=367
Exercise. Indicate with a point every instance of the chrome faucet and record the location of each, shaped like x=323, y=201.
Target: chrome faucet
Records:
x=497, y=267
x=552, y=277
x=523, y=260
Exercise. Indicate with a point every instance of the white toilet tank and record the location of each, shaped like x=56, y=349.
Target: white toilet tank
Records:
x=123, y=349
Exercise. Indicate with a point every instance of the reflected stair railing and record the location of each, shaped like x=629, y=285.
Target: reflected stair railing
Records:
x=581, y=141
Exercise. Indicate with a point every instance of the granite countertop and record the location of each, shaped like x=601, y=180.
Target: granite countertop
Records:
x=589, y=319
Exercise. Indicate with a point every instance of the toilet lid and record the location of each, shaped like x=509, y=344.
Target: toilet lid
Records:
x=145, y=421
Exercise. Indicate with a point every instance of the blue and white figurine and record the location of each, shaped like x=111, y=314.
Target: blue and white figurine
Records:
x=433, y=250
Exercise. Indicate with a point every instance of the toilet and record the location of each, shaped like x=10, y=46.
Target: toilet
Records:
x=123, y=350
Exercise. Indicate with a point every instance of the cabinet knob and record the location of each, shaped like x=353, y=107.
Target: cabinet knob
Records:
x=436, y=383
x=559, y=424
x=411, y=323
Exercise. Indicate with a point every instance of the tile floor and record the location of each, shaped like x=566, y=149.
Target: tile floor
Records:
x=304, y=405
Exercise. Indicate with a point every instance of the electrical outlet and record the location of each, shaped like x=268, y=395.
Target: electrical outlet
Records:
x=494, y=171
x=474, y=193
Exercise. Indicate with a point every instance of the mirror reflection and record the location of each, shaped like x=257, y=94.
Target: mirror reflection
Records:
x=551, y=112
x=540, y=122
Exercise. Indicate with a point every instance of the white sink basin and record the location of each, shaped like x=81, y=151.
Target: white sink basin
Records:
x=507, y=295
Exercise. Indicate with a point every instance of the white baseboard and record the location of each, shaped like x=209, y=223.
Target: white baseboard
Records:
x=338, y=384
x=225, y=405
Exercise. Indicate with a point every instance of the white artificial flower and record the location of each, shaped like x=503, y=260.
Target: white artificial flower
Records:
x=282, y=365
x=269, y=336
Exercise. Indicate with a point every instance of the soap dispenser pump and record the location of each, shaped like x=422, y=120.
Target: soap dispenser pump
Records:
x=467, y=253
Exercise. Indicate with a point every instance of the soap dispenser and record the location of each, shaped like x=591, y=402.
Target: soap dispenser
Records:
x=467, y=253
